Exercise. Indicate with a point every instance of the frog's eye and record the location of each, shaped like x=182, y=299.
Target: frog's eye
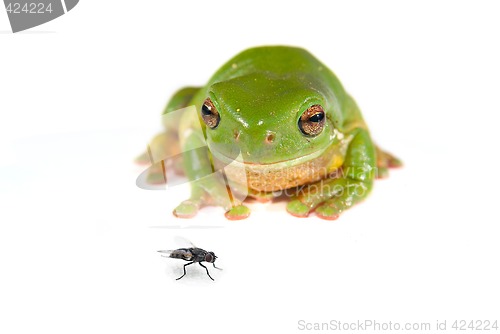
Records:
x=210, y=114
x=312, y=121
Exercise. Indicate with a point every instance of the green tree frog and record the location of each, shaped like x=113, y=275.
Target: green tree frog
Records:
x=284, y=119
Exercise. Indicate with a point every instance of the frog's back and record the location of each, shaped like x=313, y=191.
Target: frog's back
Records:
x=279, y=60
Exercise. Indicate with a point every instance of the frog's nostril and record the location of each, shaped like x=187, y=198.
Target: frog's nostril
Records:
x=270, y=137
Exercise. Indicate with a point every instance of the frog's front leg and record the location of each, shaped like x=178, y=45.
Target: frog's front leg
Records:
x=354, y=181
x=208, y=187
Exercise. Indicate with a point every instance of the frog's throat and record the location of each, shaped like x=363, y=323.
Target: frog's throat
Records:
x=284, y=174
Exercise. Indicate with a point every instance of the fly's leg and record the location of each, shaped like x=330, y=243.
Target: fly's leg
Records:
x=187, y=264
x=206, y=270
x=216, y=267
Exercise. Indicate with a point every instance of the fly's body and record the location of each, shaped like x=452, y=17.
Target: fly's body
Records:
x=193, y=255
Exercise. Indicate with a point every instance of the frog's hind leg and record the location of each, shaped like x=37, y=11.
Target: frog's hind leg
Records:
x=166, y=144
x=161, y=146
x=385, y=160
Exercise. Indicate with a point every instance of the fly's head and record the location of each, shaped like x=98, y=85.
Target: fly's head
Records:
x=210, y=257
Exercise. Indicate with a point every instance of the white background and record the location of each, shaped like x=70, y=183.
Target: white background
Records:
x=81, y=96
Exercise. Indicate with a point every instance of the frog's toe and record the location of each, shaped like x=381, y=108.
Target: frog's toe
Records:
x=297, y=208
x=238, y=212
x=394, y=162
x=186, y=209
x=327, y=211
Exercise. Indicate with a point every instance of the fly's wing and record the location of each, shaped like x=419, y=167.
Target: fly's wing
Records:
x=183, y=242
x=181, y=253
x=166, y=253
x=184, y=253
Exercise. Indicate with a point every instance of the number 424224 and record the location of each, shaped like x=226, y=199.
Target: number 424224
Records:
x=31, y=8
x=475, y=325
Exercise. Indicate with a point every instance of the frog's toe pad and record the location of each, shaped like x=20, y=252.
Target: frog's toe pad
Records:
x=297, y=208
x=186, y=209
x=327, y=212
x=238, y=212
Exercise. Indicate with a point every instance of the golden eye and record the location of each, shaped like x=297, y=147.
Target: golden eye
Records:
x=312, y=121
x=210, y=114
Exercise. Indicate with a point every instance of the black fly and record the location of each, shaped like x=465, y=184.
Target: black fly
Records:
x=192, y=254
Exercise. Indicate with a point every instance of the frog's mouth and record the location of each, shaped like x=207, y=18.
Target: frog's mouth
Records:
x=279, y=165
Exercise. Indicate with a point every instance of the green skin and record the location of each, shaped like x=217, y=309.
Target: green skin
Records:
x=260, y=95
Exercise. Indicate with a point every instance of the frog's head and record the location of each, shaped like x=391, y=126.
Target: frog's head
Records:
x=269, y=119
